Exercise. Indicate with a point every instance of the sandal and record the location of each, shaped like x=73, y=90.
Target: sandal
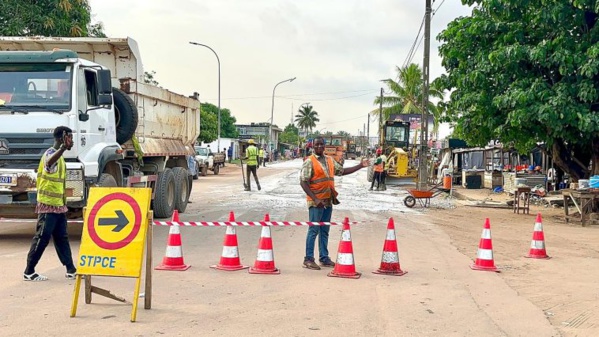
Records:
x=35, y=277
x=70, y=276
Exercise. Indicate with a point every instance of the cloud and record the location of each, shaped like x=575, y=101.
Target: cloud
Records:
x=338, y=47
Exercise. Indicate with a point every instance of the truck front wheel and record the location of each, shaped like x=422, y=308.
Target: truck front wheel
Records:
x=204, y=170
x=164, y=199
x=107, y=180
x=216, y=168
x=181, y=188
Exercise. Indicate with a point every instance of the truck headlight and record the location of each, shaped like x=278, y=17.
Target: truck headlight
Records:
x=75, y=175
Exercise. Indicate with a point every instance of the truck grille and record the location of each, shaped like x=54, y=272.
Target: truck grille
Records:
x=25, y=147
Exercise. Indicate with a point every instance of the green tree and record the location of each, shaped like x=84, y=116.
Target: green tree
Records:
x=404, y=96
x=343, y=133
x=150, y=78
x=290, y=135
x=307, y=117
x=209, y=123
x=69, y=18
x=525, y=72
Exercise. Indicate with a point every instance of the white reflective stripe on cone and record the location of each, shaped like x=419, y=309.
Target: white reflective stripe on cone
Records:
x=346, y=259
x=390, y=257
x=486, y=234
x=230, y=230
x=264, y=255
x=173, y=251
x=484, y=254
x=265, y=232
x=538, y=227
x=174, y=230
x=391, y=234
x=346, y=236
x=230, y=251
x=536, y=244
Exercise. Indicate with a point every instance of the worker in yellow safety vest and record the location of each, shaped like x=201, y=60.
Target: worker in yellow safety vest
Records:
x=51, y=207
x=251, y=155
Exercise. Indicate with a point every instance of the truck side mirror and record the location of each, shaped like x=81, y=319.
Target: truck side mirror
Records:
x=105, y=99
x=104, y=82
x=83, y=116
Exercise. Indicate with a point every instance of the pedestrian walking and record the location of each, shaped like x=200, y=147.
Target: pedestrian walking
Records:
x=51, y=208
x=230, y=153
x=383, y=182
x=318, y=182
x=264, y=157
x=251, y=156
x=260, y=156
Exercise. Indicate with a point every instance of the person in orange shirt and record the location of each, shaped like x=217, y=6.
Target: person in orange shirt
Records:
x=379, y=167
x=318, y=182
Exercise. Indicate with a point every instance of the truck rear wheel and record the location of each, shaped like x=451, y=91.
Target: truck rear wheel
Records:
x=164, y=199
x=216, y=169
x=125, y=115
x=181, y=188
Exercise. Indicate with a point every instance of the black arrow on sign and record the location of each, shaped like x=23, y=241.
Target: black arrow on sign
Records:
x=120, y=222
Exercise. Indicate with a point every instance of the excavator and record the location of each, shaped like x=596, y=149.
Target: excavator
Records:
x=401, y=156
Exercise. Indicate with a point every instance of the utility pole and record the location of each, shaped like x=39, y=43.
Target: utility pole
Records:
x=381, y=140
x=422, y=161
x=364, y=133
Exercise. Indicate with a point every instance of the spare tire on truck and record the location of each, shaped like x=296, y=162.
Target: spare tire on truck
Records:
x=125, y=115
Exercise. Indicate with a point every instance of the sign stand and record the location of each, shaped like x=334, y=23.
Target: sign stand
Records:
x=114, y=246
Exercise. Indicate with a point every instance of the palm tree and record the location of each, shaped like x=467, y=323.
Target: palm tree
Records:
x=306, y=118
x=404, y=96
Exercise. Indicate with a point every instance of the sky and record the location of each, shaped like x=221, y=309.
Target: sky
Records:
x=338, y=50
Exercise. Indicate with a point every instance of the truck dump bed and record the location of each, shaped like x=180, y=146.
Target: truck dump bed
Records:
x=169, y=123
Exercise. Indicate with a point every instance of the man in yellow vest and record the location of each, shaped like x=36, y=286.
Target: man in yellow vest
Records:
x=379, y=167
x=318, y=182
x=51, y=207
x=261, y=157
x=251, y=155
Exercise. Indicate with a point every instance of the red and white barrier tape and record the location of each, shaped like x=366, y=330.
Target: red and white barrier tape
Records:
x=247, y=223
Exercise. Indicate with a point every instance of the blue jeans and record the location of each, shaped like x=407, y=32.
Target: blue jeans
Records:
x=316, y=215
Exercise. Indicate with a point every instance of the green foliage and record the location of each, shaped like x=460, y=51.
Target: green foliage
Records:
x=343, y=133
x=290, y=135
x=209, y=123
x=306, y=117
x=149, y=78
x=525, y=72
x=66, y=18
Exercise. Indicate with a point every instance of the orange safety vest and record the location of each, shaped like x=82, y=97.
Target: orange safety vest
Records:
x=379, y=167
x=322, y=182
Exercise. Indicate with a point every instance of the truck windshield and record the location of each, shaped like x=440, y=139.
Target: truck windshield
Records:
x=396, y=133
x=202, y=151
x=36, y=87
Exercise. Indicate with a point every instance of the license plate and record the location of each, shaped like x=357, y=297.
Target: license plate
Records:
x=6, y=180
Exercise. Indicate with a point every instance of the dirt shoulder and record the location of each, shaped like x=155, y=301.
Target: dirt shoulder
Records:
x=564, y=287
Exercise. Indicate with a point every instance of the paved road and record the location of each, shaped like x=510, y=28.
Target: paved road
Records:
x=440, y=295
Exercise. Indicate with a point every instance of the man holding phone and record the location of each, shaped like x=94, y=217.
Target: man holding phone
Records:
x=51, y=207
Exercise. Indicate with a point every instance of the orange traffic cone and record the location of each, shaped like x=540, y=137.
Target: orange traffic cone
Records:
x=230, y=257
x=345, y=256
x=265, y=262
x=390, y=259
x=484, y=255
x=537, y=245
x=173, y=259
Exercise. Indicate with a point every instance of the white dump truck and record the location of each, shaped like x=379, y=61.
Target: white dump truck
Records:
x=125, y=132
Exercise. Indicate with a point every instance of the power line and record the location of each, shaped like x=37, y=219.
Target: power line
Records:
x=412, y=50
x=325, y=99
x=295, y=95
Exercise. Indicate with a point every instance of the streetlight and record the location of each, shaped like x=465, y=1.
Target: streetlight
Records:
x=218, y=60
x=272, y=110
